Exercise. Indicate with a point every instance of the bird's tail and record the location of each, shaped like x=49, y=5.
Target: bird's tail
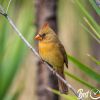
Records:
x=62, y=87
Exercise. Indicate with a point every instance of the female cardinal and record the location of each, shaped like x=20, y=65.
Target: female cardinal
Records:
x=52, y=51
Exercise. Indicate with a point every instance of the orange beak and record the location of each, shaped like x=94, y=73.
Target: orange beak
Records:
x=38, y=37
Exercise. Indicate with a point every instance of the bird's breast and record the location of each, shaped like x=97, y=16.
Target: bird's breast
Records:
x=51, y=53
x=46, y=49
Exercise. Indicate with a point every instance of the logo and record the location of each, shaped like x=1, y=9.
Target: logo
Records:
x=94, y=94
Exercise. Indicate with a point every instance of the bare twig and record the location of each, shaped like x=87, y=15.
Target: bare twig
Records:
x=8, y=5
x=2, y=12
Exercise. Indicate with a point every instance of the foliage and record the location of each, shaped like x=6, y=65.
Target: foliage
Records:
x=95, y=28
x=67, y=97
x=12, y=49
x=85, y=68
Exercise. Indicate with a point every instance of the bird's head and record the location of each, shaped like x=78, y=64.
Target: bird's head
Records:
x=45, y=33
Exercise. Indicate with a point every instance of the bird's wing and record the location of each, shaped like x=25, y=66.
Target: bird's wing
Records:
x=61, y=47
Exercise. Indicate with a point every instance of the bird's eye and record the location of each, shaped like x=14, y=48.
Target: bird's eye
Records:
x=43, y=34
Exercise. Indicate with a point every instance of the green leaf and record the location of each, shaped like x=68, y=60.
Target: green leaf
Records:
x=17, y=93
x=79, y=80
x=67, y=97
x=92, y=28
x=86, y=69
x=94, y=59
x=15, y=49
x=86, y=14
x=91, y=33
x=95, y=6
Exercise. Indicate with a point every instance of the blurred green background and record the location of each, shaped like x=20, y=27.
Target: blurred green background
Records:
x=79, y=31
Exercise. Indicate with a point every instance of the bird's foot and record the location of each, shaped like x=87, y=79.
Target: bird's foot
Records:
x=54, y=71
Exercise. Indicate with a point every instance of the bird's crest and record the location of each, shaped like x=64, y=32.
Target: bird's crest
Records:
x=45, y=25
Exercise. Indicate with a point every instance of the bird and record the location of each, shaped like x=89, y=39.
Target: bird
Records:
x=53, y=52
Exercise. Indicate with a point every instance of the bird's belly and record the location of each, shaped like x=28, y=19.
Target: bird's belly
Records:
x=52, y=55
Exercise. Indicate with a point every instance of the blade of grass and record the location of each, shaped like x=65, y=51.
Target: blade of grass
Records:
x=9, y=71
x=93, y=29
x=92, y=34
x=87, y=15
x=16, y=94
x=16, y=59
x=86, y=69
x=16, y=54
x=67, y=97
x=79, y=80
x=94, y=59
x=93, y=3
x=3, y=39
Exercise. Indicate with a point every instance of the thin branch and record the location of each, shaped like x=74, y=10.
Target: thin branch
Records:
x=8, y=5
x=2, y=12
x=34, y=51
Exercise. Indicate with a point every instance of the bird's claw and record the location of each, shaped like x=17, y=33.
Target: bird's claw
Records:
x=54, y=71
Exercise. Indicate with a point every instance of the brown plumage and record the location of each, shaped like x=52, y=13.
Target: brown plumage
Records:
x=52, y=51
